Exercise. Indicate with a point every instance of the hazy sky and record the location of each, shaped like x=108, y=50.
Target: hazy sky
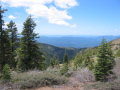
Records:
x=66, y=17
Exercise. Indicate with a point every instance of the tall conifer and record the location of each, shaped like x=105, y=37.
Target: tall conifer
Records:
x=29, y=55
x=65, y=59
x=54, y=62
x=105, y=62
x=4, y=43
x=12, y=29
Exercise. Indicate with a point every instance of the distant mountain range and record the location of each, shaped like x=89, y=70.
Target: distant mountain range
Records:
x=74, y=41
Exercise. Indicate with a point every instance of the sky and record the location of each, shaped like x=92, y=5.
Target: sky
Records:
x=66, y=17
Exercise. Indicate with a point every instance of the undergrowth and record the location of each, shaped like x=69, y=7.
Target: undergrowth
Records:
x=113, y=82
x=111, y=85
x=33, y=79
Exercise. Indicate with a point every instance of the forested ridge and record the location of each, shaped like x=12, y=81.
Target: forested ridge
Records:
x=50, y=51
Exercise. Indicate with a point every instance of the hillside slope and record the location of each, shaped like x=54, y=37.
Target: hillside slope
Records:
x=116, y=44
x=50, y=51
x=116, y=47
x=93, y=52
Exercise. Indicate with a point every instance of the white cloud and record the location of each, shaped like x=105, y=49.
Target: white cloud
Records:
x=25, y=3
x=11, y=17
x=19, y=24
x=5, y=24
x=38, y=8
x=66, y=3
x=53, y=15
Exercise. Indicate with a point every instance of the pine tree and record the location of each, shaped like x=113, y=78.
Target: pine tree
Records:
x=65, y=67
x=54, y=62
x=29, y=55
x=87, y=58
x=57, y=62
x=88, y=61
x=12, y=29
x=78, y=61
x=65, y=59
x=4, y=43
x=105, y=62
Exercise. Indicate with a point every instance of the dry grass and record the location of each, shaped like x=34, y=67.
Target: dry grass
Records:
x=85, y=75
x=52, y=76
x=117, y=67
x=111, y=85
x=116, y=44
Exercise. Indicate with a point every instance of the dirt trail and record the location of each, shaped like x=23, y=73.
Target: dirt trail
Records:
x=61, y=88
x=73, y=84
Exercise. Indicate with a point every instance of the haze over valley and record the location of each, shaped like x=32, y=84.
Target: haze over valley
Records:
x=74, y=41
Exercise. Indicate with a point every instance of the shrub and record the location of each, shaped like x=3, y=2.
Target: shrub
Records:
x=84, y=75
x=37, y=79
x=64, y=69
x=6, y=72
x=111, y=85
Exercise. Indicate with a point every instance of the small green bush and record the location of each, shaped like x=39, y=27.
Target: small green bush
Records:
x=64, y=69
x=6, y=73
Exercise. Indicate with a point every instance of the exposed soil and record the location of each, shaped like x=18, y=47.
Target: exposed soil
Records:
x=61, y=88
x=73, y=84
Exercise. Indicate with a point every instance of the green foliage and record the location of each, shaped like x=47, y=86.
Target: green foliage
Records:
x=87, y=58
x=6, y=72
x=113, y=84
x=54, y=62
x=65, y=59
x=105, y=62
x=29, y=55
x=88, y=61
x=51, y=51
x=12, y=29
x=5, y=51
x=33, y=79
x=64, y=69
x=78, y=61
x=57, y=63
x=84, y=59
x=91, y=64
